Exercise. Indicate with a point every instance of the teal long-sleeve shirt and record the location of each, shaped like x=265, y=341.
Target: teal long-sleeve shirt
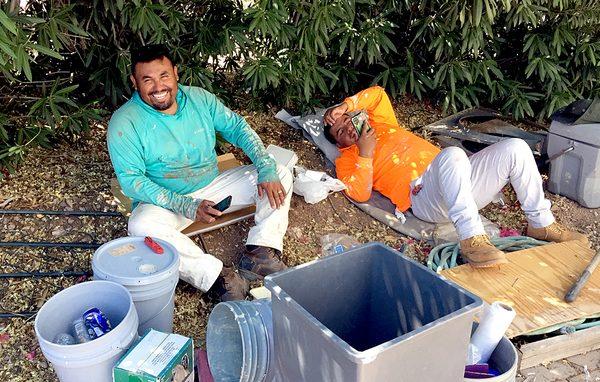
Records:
x=159, y=158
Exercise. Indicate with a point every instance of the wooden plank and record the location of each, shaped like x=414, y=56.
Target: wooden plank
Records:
x=198, y=227
x=534, y=283
x=559, y=347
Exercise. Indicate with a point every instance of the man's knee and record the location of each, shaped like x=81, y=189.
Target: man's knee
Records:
x=137, y=227
x=285, y=177
x=141, y=223
x=516, y=146
x=452, y=155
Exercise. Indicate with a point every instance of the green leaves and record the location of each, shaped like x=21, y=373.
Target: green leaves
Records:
x=7, y=23
x=544, y=68
x=519, y=102
x=263, y=73
x=525, y=57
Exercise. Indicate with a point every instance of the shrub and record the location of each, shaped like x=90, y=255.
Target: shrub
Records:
x=62, y=62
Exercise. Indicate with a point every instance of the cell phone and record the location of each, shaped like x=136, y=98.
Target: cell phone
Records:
x=223, y=204
x=360, y=120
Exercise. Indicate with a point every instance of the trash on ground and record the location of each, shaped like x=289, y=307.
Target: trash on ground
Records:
x=260, y=292
x=315, y=185
x=333, y=243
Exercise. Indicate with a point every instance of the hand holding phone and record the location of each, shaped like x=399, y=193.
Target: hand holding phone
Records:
x=361, y=120
x=207, y=210
x=223, y=204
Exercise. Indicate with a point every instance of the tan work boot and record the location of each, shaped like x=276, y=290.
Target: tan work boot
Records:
x=557, y=233
x=481, y=253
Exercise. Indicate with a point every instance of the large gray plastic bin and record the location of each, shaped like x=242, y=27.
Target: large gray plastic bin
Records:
x=574, y=170
x=369, y=314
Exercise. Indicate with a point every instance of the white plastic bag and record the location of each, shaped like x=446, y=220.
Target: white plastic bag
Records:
x=315, y=185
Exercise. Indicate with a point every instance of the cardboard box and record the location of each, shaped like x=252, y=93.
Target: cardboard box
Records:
x=157, y=357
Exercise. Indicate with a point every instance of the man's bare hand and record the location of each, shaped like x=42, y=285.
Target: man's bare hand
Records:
x=367, y=142
x=205, y=213
x=333, y=113
x=274, y=191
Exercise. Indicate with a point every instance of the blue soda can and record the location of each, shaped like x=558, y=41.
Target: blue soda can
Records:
x=96, y=323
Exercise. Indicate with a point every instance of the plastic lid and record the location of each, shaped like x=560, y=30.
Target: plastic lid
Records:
x=129, y=261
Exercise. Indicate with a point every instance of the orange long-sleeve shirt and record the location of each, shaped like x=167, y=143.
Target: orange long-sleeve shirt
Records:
x=399, y=156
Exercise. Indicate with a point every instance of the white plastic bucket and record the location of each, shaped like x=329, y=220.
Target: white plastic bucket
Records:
x=150, y=277
x=91, y=361
x=239, y=340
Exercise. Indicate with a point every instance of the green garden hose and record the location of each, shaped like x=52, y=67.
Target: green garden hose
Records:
x=445, y=256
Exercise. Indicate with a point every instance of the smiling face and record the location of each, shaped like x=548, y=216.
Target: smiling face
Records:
x=156, y=82
x=344, y=132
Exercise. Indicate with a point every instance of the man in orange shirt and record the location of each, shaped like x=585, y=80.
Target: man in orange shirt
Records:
x=440, y=186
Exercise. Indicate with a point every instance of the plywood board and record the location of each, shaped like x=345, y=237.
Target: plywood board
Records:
x=534, y=283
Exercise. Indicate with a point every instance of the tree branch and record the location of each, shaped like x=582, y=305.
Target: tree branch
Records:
x=14, y=6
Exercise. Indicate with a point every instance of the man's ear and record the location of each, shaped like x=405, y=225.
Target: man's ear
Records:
x=175, y=71
x=132, y=78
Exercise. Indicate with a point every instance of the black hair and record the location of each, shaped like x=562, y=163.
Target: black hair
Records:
x=328, y=135
x=149, y=53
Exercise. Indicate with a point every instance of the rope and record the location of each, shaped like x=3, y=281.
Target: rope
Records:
x=445, y=256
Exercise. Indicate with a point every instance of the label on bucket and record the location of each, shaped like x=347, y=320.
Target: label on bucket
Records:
x=158, y=357
x=122, y=250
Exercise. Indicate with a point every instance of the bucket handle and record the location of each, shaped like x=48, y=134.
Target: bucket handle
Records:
x=161, y=310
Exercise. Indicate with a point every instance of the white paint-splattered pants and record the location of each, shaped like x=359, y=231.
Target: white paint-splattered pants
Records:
x=202, y=269
x=454, y=187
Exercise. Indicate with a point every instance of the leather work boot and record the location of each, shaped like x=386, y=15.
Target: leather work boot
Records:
x=230, y=285
x=481, y=253
x=258, y=262
x=557, y=233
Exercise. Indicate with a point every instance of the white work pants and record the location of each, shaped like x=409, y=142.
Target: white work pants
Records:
x=202, y=269
x=455, y=187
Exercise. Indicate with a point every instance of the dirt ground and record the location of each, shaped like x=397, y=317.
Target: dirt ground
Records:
x=77, y=177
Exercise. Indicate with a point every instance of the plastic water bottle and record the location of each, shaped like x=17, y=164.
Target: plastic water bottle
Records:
x=64, y=339
x=80, y=331
x=336, y=243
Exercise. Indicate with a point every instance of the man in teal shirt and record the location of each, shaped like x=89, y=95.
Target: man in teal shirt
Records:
x=162, y=146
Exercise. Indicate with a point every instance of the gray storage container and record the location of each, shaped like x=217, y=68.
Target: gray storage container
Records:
x=575, y=170
x=369, y=314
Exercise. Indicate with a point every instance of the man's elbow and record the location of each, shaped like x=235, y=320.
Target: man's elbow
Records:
x=357, y=196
